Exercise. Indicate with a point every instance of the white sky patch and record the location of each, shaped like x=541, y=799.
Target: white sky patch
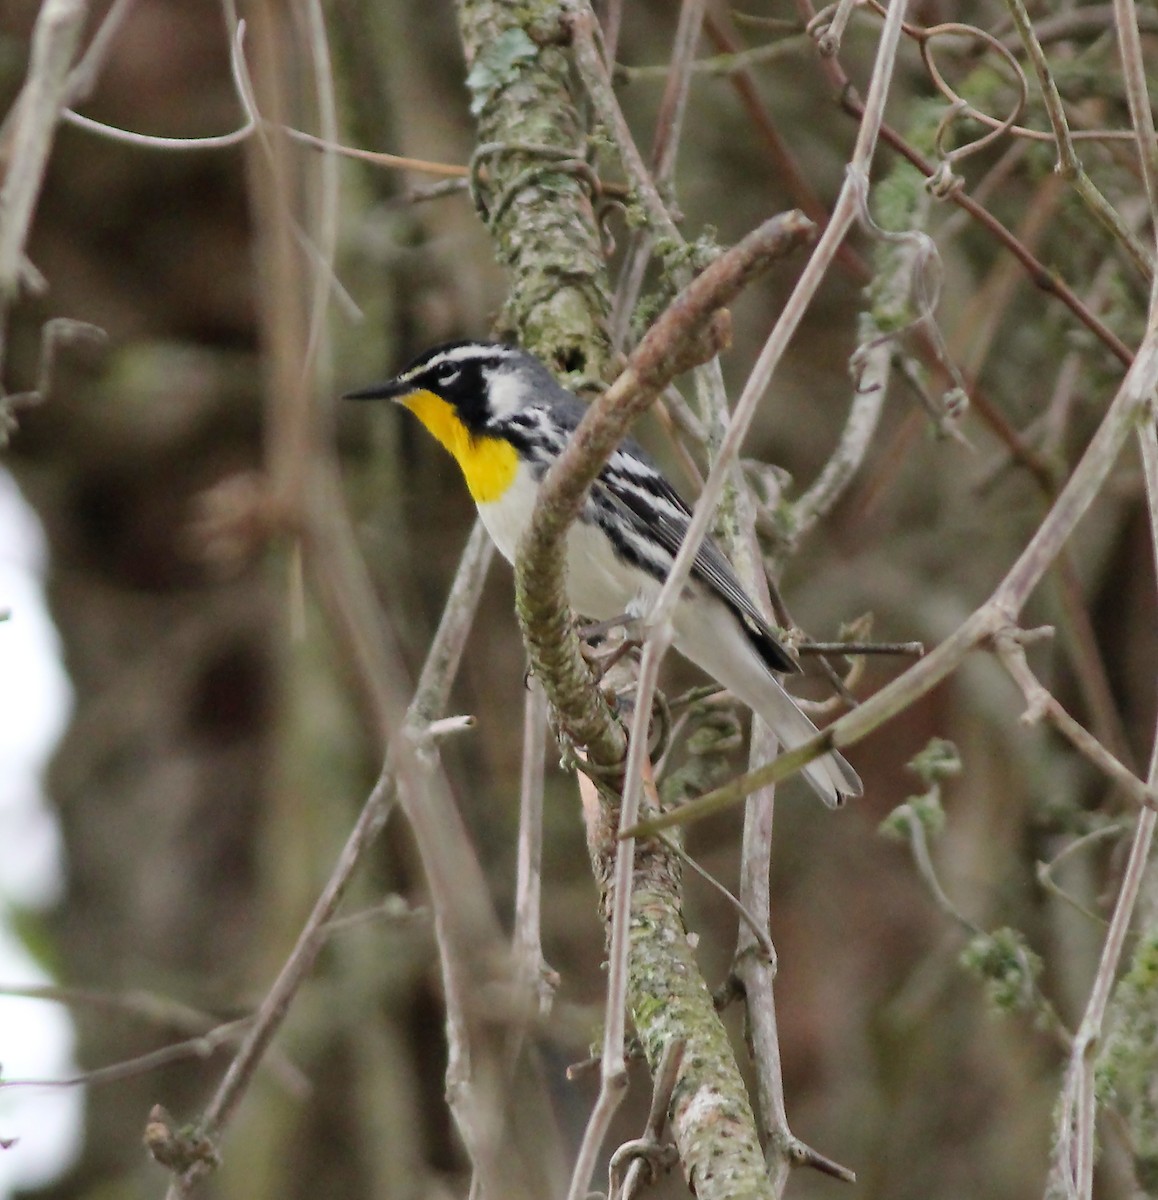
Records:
x=36, y=1038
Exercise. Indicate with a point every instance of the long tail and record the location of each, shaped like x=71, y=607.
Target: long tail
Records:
x=831, y=776
x=711, y=637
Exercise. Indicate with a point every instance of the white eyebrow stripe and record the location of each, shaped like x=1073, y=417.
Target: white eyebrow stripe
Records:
x=460, y=354
x=466, y=353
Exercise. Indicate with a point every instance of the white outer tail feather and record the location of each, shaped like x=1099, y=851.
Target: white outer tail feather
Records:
x=709, y=635
x=831, y=777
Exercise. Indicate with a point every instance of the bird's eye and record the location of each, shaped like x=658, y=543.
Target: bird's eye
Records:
x=448, y=377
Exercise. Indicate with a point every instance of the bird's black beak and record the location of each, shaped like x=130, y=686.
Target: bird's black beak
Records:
x=390, y=390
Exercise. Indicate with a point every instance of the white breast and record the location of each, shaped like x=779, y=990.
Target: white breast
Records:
x=598, y=584
x=506, y=518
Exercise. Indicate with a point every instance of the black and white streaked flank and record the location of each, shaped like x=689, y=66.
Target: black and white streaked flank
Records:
x=622, y=547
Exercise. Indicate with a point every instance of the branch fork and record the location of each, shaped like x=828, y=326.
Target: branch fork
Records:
x=1009, y=643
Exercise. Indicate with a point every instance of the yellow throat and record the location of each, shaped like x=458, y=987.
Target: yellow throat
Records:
x=488, y=464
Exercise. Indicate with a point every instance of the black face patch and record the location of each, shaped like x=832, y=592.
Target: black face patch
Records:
x=455, y=372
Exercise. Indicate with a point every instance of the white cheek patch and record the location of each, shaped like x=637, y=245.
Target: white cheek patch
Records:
x=507, y=391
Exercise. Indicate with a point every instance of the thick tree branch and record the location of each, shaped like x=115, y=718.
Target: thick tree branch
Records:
x=536, y=199
x=670, y=1001
x=538, y=211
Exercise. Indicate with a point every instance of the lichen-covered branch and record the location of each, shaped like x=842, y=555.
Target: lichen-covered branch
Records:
x=710, y=1116
x=532, y=181
x=533, y=192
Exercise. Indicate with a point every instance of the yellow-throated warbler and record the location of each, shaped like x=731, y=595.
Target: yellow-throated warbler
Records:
x=505, y=419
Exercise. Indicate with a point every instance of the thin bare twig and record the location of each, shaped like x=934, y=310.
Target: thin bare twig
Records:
x=529, y=879
x=325, y=200
x=783, y=163
x=469, y=936
x=57, y=334
x=379, y=158
x=1074, y=1148
x=55, y=39
x=828, y=41
x=202, y=1046
x=1045, y=870
x=634, y=1165
x=728, y=63
x=909, y=649
x=747, y=918
x=663, y=157
x=156, y=141
x=1069, y=165
x=241, y=86
x=297, y=967
x=1042, y=277
x=897, y=290
x=844, y=213
x=454, y=172
x=208, y=1034
x=755, y=969
x=914, y=827
x=83, y=77
x=1040, y=703
x=1135, y=396
x=980, y=325
x=754, y=965
x=1090, y=20
x=430, y=695
x=1138, y=98
x=1072, y=1163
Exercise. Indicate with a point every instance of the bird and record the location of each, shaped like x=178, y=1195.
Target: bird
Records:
x=505, y=419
